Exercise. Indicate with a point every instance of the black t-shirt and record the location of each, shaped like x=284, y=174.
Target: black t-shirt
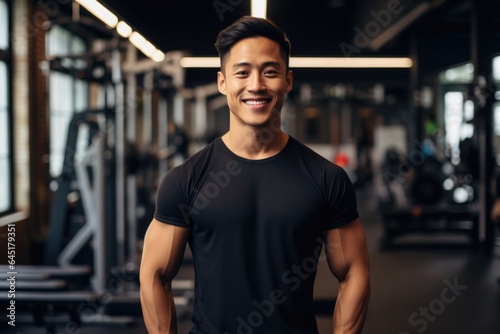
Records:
x=255, y=234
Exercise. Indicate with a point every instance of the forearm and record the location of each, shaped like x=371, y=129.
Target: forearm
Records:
x=158, y=307
x=351, y=306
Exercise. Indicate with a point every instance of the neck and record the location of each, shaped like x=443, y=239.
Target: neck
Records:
x=255, y=142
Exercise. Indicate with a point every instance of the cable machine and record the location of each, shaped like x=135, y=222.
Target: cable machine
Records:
x=98, y=186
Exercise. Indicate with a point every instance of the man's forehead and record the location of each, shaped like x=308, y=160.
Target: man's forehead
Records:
x=248, y=49
x=253, y=44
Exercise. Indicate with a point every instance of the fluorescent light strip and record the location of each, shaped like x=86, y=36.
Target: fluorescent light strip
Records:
x=124, y=29
x=158, y=56
x=345, y=62
x=259, y=8
x=145, y=46
x=101, y=12
x=142, y=43
x=200, y=62
x=314, y=62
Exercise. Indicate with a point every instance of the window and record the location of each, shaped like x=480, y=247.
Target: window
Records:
x=4, y=25
x=5, y=114
x=458, y=112
x=453, y=116
x=496, y=69
x=5, y=156
x=67, y=94
x=496, y=119
x=459, y=74
x=496, y=109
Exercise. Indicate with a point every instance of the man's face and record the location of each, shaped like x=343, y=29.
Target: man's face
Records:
x=255, y=81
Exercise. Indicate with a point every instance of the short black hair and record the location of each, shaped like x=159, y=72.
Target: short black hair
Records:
x=248, y=26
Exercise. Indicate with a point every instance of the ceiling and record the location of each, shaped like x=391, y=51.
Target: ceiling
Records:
x=315, y=28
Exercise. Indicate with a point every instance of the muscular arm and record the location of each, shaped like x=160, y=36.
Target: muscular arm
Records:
x=347, y=257
x=163, y=251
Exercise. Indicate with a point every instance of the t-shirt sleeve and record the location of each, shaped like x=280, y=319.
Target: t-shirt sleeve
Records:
x=340, y=198
x=172, y=200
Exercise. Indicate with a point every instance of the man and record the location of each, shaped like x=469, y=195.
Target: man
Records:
x=256, y=207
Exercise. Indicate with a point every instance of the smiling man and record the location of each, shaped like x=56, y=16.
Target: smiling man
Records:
x=256, y=207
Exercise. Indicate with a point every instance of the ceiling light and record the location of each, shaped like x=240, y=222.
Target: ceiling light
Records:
x=200, y=62
x=158, y=56
x=314, y=62
x=101, y=12
x=146, y=47
x=259, y=8
x=123, y=29
x=142, y=44
x=350, y=62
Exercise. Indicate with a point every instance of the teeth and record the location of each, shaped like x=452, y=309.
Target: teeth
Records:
x=255, y=103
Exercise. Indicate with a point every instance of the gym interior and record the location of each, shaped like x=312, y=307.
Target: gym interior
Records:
x=99, y=99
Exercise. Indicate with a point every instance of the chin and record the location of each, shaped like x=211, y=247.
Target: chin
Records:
x=260, y=123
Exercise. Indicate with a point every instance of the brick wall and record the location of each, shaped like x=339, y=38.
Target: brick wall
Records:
x=30, y=131
x=20, y=105
x=20, y=39
x=40, y=196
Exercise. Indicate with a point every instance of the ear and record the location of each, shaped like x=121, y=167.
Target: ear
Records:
x=221, y=83
x=289, y=81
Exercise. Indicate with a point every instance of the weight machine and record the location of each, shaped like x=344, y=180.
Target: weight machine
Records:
x=420, y=197
x=100, y=187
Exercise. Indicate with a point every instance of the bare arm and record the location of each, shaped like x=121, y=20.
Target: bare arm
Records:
x=162, y=255
x=347, y=256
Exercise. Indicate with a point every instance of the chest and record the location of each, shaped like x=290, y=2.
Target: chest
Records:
x=281, y=199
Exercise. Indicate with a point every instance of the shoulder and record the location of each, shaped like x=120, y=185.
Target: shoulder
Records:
x=194, y=165
x=314, y=160
x=198, y=159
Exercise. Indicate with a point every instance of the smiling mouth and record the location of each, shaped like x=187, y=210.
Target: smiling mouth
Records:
x=257, y=102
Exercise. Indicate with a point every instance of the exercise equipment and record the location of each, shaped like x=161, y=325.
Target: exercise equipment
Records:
x=47, y=294
x=90, y=259
x=91, y=191
x=420, y=200
x=87, y=177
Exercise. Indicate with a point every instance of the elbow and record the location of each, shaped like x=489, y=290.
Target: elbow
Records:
x=152, y=278
x=360, y=280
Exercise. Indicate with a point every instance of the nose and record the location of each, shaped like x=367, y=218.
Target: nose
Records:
x=256, y=83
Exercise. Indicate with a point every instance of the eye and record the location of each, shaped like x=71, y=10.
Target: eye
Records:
x=271, y=73
x=241, y=73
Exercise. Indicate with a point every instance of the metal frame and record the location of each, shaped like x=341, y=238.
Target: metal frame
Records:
x=92, y=194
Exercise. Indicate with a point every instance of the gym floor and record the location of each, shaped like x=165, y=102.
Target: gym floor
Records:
x=417, y=287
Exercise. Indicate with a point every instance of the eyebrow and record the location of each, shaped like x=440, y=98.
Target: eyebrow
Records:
x=269, y=63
